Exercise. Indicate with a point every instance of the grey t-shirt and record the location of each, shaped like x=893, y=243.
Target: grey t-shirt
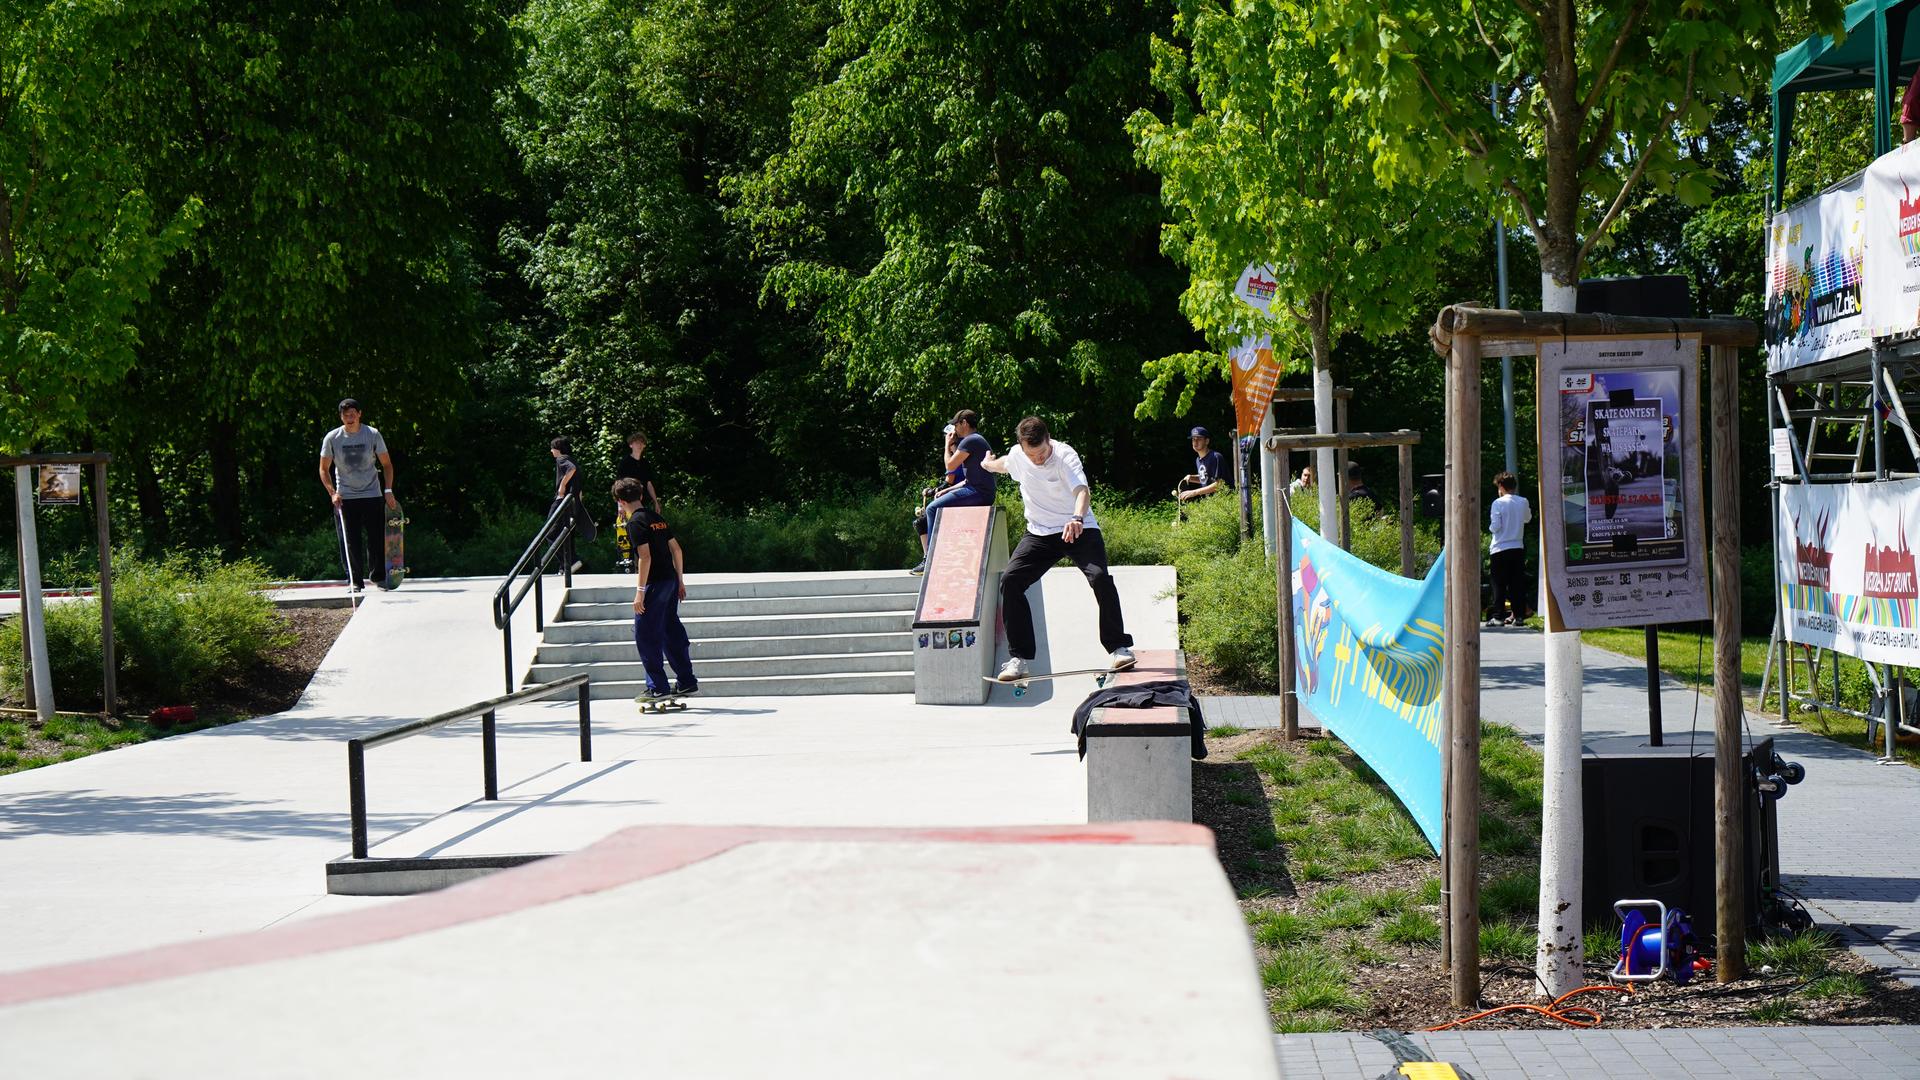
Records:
x=356, y=461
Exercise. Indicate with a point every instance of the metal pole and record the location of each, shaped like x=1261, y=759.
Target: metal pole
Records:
x=109, y=673
x=1283, y=597
x=1340, y=469
x=539, y=597
x=489, y=756
x=33, y=609
x=586, y=723
x=1240, y=487
x=1462, y=667
x=1506, y=362
x=506, y=645
x=1653, y=687
x=1269, y=483
x=1406, y=510
x=357, y=795
x=1729, y=786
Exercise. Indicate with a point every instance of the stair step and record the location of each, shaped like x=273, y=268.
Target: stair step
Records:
x=888, y=581
x=730, y=648
x=741, y=626
x=774, y=686
x=695, y=608
x=631, y=670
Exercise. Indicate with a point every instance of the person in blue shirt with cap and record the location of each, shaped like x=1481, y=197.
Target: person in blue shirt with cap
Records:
x=1209, y=469
x=966, y=453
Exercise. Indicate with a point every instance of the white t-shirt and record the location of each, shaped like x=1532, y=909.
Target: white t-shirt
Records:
x=1507, y=520
x=1047, y=490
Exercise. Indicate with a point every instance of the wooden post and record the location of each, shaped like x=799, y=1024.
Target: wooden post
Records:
x=109, y=676
x=1406, y=510
x=1462, y=666
x=1729, y=787
x=1283, y=596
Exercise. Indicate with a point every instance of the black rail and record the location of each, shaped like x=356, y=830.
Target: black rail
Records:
x=485, y=710
x=555, y=538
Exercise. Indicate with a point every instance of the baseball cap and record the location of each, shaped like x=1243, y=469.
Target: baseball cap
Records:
x=1199, y=433
x=971, y=417
x=349, y=403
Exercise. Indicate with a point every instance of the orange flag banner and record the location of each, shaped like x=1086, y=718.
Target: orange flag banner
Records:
x=1255, y=371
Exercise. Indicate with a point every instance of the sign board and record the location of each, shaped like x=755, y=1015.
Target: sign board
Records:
x=1255, y=371
x=1783, y=454
x=1846, y=570
x=1622, y=531
x=1891, y=269
x=59, y=485
x=1815, y=254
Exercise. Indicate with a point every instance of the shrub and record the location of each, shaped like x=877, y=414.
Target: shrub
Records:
x=178, y=625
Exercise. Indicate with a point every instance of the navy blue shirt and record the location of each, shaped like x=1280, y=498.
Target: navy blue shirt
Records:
x=974, y=470
x=1209, y=467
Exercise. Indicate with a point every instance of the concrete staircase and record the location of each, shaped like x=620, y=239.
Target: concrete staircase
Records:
x=760, y=635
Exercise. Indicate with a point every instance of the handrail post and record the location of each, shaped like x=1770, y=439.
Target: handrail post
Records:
x=539, y=599
x=586, y=724
x=489, y=759
x=506, y=645
x=357, y=794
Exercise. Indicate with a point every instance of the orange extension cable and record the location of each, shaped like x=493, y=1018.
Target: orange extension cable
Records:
x=1571, y=1015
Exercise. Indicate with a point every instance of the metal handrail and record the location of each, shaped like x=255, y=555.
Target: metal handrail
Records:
x=485, y=710
x=557, y=534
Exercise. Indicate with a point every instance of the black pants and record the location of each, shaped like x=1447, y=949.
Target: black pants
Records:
x=1034, y=557
x=1509, y=582
x=364, y=523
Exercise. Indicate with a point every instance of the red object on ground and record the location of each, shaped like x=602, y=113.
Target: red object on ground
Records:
x=169, y=715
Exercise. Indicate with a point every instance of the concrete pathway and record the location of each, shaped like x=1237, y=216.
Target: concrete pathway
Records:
x=1784, y=1053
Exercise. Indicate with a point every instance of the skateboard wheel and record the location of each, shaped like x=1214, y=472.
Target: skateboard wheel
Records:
x=1019, y=691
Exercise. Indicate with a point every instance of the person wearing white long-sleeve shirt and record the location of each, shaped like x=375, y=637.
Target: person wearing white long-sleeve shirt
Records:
x=1507, y=519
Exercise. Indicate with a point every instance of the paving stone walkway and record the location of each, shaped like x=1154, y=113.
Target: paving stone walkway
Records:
x=1786, y=1053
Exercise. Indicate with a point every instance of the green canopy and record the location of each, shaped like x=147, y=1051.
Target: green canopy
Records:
x=1880, y=50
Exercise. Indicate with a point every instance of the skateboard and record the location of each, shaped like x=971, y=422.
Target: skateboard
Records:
x=669, y=703
x=396, y=546
x=1020, y=685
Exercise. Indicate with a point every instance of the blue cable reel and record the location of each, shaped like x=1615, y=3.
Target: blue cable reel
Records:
x=1661, y=947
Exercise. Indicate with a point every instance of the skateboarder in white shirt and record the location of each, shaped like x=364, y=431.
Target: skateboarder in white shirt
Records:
x=1053, y=487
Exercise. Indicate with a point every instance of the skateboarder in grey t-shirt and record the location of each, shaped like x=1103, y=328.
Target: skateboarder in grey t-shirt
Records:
x=353, y=458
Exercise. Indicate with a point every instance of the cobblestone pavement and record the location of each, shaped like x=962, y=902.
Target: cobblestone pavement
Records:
x=1788, y=1053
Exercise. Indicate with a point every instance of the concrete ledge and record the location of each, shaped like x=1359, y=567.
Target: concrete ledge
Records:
x=347, y=876
x=1139, y=760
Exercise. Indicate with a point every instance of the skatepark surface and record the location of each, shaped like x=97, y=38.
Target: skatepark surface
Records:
x=182, y=868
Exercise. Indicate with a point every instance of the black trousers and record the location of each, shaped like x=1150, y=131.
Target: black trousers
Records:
x=364, y=522
x=1510, y=582
x=1033, y=558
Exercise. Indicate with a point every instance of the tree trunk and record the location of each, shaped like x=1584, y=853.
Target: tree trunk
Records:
x=1318, y=318
x=1559, y=949
x=146, y=491
x=225, y=460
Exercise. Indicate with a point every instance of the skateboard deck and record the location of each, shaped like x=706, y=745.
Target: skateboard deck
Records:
x=669, y=703
x=1020, y=685
x=396, y=545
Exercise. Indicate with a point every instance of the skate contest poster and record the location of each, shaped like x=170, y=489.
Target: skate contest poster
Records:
x=1368, y=664
x=1621, y=525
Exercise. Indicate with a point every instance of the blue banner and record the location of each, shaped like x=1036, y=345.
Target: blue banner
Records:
x=1367, y=651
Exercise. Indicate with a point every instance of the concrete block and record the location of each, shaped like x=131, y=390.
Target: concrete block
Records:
x=956, y=621
x=1139, y=765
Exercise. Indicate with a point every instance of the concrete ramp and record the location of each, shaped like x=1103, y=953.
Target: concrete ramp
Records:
x=1090, y=950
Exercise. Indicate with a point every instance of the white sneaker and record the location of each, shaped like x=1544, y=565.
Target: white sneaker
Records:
x=1014, y=669
x=1121, y=659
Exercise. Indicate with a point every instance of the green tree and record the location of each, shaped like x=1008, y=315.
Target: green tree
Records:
x=960, y=216
x=82, y=239
x=1593, y=100
x=1259, y=167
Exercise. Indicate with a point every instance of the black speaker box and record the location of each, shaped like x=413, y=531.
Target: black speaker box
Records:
x=1665, y=296
x=1649, y=826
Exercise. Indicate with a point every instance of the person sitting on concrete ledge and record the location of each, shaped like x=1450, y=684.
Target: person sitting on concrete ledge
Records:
x=967, y=450
x=1208, y=472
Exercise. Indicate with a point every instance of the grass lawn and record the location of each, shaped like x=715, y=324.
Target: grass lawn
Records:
x=27, y=744
x=1341, y=896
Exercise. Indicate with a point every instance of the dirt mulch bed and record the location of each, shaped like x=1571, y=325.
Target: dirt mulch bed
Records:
x=1403, y=986
x=1206, y=679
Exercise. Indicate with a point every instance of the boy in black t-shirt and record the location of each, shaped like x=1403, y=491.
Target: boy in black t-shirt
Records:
x=659, y=586
x=630, y=465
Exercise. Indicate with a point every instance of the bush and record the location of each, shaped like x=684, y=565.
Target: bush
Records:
x=178, y=625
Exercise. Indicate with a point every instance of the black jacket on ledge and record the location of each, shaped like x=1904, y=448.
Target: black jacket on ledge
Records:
x=1173, y=692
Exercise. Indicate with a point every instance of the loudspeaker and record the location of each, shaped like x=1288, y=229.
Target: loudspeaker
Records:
x=1665, y=296
x=1649, y=826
